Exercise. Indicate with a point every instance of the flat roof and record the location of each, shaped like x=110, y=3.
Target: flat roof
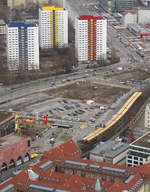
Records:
x=110, y=148
x=9, y=140
x=2, y=22
x=143, y=141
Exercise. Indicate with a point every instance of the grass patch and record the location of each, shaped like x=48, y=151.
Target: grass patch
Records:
x=65, y=137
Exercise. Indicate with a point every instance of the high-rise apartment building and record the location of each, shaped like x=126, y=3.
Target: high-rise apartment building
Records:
x=90, y=38
x=53, y=23
x=22, y=47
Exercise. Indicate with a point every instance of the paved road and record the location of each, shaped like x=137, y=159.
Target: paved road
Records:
x=75, y=9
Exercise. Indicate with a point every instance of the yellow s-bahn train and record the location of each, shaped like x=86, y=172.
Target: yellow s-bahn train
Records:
x=114, y=120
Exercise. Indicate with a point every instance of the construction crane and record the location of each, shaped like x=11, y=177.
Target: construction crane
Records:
x=132, y=121
x=30, y=127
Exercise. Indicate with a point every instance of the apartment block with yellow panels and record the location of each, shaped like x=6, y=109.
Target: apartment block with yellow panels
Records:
x=53, y=27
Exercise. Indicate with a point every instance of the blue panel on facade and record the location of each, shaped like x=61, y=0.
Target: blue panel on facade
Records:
x=53, y=28
x=23, y=43
x=20, y=25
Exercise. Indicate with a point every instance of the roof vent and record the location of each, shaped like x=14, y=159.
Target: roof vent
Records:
x=98, y=186
x=32, y=175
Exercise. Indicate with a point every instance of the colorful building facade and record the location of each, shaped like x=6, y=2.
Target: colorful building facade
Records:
x=90, y=38
x=53, y=23
x=22, y=47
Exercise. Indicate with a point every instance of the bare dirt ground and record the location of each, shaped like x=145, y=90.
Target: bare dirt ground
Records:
x=103, y=94
x=132, y=75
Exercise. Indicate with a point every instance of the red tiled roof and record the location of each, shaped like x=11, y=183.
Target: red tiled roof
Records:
x=68, y=149
x=74, y=183
x=130, y=11
x=120, y=186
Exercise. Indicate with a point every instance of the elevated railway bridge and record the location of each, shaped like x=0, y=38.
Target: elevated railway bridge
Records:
x=117, y=125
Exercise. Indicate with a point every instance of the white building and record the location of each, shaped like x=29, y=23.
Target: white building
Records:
x=143, y=16
x=139, y=151
x=22, y=47
x=2, y=27
x=130, y=17
x=147, y=116
x=139, y=16
x=53, y=23
x=90, y=38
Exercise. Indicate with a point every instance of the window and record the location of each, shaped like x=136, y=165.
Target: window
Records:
x=29, y=144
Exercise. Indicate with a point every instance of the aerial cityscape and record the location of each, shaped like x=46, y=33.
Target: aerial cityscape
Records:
x=75, y=96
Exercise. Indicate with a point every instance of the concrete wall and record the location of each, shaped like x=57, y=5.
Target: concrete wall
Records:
x=120, y=157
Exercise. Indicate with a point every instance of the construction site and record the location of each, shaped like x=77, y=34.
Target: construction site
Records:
x=73, y=111
x=89, y=90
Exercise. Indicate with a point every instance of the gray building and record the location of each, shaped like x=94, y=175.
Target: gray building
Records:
x=116, y=5
x=110, y=151
x=139, y=151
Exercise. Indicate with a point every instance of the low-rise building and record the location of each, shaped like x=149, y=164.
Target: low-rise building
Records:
x=62, y=170
x=110, y=151
x=130, y=17
x=14, y=151
x=139, y=151
x=143, y=16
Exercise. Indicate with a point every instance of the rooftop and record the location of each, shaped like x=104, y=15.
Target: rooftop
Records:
x=2, y=22
x=133, y=11
x=67, y=149
x=89, y=17
x=143, y=141
x=110, y=148
x=52, y=8
x=133, y=178
x=9, y=140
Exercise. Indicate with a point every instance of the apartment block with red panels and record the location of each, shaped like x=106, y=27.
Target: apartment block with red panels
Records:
x=96, y=41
